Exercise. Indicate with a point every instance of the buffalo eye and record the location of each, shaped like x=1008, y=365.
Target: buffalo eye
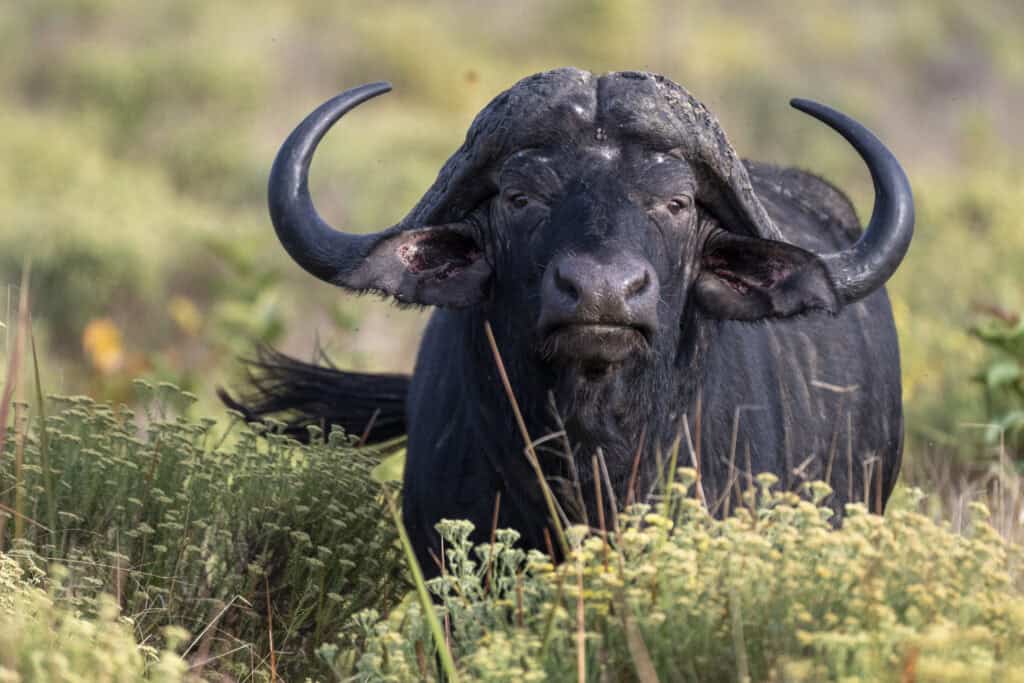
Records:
x=517, y=200
x=678, y=205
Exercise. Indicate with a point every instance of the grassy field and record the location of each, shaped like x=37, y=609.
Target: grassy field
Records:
x=257, y=558
x=136, y=141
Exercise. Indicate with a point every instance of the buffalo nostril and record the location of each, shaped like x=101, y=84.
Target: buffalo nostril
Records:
x=566, y=285
x=638, y=285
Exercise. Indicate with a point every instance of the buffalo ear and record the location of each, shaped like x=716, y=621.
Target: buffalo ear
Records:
x=747, y=278
x=434, y=266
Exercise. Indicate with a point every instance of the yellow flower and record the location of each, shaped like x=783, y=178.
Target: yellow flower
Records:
x=103, y=345
x=185, y=314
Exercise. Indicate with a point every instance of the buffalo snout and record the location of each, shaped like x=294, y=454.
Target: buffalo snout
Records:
x=598, y=308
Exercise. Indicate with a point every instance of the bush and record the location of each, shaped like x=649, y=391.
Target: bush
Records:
x=772, y=594
x=185, y=529
x=177, y=525
x=43, y=639
x=1003, y=379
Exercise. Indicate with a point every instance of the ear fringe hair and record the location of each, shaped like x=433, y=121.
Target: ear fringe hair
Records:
x=301, y=394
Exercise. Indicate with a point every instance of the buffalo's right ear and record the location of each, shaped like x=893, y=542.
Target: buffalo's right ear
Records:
x=434, y=266
x=748, y=278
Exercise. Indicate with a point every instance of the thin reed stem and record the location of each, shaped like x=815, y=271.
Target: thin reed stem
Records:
x=549, y=498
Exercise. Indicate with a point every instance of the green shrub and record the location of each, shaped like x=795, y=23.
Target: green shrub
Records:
x=1002, y=379
x=43, y=639
x=773, y=594
x=186, y=530
x=169, y=525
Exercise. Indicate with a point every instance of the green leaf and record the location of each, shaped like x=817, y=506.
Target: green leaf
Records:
x=390, y=468
x=1002, y=336
x=1001, y=373
x=1012, y=422
x=1007, y=425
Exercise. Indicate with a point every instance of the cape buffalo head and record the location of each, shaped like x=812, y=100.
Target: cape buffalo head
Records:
x=601, y=214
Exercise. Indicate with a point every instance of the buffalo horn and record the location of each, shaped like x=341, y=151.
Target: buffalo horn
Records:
x=324, y=252
x=864, y=267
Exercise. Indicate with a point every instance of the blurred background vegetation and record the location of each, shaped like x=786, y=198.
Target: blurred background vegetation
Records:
x=135, y=141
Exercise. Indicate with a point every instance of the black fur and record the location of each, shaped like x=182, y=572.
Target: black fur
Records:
x=302, y=394
x=833, y=380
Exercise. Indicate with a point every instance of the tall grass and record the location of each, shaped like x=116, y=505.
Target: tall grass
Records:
x=771, y=594
x=267, y=551
x=44, y=638
x=239, y=538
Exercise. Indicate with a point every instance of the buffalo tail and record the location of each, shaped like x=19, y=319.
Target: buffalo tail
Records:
x=301, y=394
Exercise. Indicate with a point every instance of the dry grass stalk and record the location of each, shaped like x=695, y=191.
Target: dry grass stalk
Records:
x=581, y=634
x=11, y=387
x=270, y=631
x=531, y=453
x=635, y=469
x=600, y=509
x=488, y=587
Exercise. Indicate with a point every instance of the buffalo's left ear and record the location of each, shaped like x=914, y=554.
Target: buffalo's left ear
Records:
x=436, y=266
x=747, y=278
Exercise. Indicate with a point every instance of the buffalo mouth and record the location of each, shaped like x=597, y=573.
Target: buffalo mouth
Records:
x=595, y=346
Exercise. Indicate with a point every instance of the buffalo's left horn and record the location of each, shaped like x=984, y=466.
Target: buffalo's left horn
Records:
x=327, y=253
x=864, y=267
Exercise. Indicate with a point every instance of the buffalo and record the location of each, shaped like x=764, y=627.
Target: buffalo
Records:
x=645, y=286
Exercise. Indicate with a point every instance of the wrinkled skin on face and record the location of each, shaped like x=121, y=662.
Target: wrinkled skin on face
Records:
x=607, y=239
x=611, y=273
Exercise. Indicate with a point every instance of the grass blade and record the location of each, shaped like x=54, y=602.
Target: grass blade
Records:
x=10, y=385
x=581, y=633
x=421, y=592
x=44, y=445
x=549, y=497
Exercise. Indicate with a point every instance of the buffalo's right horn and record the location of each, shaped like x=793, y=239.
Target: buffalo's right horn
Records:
x=433, y=265
x=326, y=253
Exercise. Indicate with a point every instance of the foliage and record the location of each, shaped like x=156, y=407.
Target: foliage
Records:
x=1003, y=379
x=169, y=526
x=43, y=638
x=185, y=529
x=772, y=594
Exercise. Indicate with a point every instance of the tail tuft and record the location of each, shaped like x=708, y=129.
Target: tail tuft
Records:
x=303, y=394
